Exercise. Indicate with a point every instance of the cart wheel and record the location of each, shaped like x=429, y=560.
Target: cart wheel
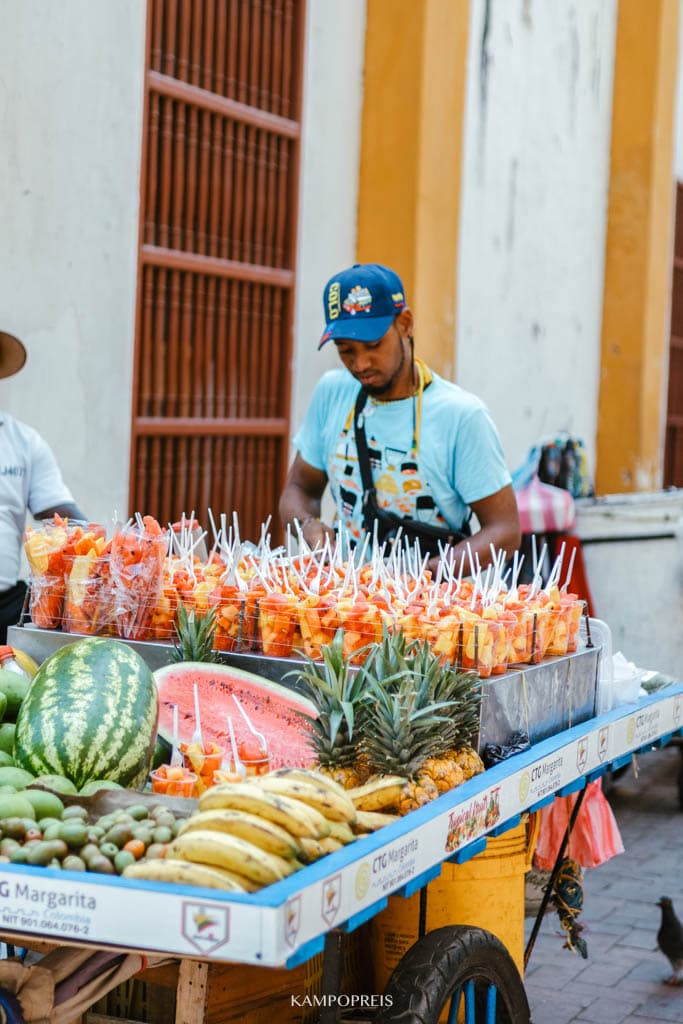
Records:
x=450, y=965
x=10, y=1010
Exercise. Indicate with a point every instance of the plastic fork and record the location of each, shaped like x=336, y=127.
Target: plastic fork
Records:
x=259, y=735
x=176, y=756
x=197, y=734
x=240, y=767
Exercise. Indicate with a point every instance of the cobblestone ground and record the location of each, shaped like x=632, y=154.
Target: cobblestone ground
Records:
x=622, y=981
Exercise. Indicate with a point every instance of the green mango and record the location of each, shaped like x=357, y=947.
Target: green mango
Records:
x=7, y=730
x=56, y=783
x=46, y=805
x=14, y=687
x=14, y=806
x=96, y=784
x=16, y=777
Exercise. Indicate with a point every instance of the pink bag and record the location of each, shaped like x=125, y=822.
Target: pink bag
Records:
x=544, y=508
x=594, y=839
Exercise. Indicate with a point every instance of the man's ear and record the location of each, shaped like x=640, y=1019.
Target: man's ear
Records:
x=404, y=322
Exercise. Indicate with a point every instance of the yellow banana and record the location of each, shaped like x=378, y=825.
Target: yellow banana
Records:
x=340, y=831
x=333, y=806
x=329, y=844
x=312, y=848
x=379, y=793
x=292, y=815
x=180, y=872
x=370, y=821
x=309, y=775
x=254, y=828
x=231, y=853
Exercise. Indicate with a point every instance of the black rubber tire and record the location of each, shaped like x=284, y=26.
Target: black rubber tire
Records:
x=10, y=1010
x=440, y=963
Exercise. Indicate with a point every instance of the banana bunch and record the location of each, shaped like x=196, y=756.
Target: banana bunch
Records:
x=247, y=835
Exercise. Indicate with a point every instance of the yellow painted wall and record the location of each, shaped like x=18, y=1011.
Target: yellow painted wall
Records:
x=634, y=355
x=409, y=199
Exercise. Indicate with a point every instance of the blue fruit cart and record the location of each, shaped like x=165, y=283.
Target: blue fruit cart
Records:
x=457, y=972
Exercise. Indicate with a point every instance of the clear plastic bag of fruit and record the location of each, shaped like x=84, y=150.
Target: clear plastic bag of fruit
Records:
x=50, y=550
x=89, y=606
x=138, y=553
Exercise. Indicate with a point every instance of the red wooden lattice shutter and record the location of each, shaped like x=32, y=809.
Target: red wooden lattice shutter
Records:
x=673, y=452
x=217, y=249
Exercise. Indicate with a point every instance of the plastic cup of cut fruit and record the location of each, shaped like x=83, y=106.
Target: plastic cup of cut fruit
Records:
x=253, y=756
x=204, y=761
x=173, y=781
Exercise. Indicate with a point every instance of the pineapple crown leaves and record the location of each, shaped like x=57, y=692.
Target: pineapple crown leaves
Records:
x=462, y=690
x=418, y=706
x=195, y=633
x=334, y=689
x=386, y=661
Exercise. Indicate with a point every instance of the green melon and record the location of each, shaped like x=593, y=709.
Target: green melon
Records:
x=89, y=713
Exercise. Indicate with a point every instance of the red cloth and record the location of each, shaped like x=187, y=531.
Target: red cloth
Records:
x=594, y=839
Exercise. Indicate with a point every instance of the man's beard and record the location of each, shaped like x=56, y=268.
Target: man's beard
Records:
x=381, y=389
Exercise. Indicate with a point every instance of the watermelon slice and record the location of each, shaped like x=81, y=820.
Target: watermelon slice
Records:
x=273, y=709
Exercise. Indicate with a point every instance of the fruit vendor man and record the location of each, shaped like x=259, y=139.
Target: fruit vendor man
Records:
x=30, y=481
x=433, y=451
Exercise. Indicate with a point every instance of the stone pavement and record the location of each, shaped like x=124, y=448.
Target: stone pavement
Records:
x=621, y=982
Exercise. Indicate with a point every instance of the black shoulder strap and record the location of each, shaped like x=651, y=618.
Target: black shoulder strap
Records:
x=362, y=449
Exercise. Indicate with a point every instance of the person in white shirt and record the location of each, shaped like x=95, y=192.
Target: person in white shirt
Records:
x=30, y=481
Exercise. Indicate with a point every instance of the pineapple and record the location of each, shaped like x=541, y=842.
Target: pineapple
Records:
x=468, y=760
x=462, y=688
x=195, y=635
x=337, y=695
x=415, y=717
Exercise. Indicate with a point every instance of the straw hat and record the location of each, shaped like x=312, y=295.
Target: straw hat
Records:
x=12, y=354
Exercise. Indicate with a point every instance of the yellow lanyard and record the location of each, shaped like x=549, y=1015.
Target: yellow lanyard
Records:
x=424, y=378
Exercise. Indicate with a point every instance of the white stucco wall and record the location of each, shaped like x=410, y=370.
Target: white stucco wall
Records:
x=70, y=137
x=533, y=214
x=333, y=95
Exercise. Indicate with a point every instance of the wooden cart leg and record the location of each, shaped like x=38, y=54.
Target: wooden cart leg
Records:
x=191, y=992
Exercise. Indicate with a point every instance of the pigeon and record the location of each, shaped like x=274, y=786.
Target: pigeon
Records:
x=670, y=939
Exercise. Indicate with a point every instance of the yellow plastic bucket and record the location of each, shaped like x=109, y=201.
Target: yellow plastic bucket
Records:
x=487, y=892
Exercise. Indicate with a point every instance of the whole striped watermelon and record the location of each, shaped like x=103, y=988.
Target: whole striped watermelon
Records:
x=89, y=713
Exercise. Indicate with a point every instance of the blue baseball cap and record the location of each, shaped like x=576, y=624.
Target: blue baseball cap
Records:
x=360, y=303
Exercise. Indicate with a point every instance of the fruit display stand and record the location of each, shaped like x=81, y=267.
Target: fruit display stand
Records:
x=294, y=920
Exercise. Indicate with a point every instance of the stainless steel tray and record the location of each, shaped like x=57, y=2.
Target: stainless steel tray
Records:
x=540, y=700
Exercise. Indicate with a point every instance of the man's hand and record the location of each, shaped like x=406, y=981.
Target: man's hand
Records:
x=300, y=502
x=315, y=532
x=68, y=510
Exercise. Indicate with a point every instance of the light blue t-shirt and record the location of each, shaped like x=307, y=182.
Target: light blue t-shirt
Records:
x=458, y=458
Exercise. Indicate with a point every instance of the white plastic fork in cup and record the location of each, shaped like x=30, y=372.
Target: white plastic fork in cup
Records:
x=197, y=734
x=259, y=735
x=240, y=768
x=176, y=756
